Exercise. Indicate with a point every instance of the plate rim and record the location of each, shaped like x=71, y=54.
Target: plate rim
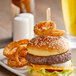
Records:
x=9, y=68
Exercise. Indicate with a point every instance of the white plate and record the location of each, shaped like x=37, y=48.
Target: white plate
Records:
x=19, y=71
x=23, y=71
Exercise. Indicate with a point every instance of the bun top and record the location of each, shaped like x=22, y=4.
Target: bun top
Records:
x=51, y=43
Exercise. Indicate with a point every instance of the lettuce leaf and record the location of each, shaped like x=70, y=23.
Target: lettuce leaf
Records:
x=72, y=61
x=63, y=73
x=30, y=69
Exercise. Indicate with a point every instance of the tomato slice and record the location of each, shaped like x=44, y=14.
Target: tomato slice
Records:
x=51, y=70
x=28, y=64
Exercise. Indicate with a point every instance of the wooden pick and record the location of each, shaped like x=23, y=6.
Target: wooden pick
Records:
x=48, y=15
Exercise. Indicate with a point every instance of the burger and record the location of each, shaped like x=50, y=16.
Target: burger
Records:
x=49, y=56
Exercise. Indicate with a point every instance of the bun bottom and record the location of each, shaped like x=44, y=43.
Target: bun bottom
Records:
x=34, y=73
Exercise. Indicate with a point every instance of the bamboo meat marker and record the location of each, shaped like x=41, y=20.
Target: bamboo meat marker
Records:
x=48, y=15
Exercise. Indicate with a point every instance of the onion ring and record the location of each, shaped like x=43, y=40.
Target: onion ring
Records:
x=11, y=48
x=20, y=56
x=16, y=52
x=14, y=63
x=47, y=29
x=56, y=32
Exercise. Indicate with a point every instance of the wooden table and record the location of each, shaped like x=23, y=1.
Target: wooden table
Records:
x=40, y=15
x=5, y=72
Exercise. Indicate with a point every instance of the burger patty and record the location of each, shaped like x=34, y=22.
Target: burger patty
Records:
x=48, y=60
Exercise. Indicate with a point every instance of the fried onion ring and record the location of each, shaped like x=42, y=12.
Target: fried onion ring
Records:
x=20, y=55
x=18, y=58
x=11, y=48
x=47, y=29
x=16, y=52
x=14, y=63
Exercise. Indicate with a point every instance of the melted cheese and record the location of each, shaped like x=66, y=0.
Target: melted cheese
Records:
x=42, y=52
x=39, y=67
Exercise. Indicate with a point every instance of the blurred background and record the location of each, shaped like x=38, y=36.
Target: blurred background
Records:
x=38, y=9
x=10, y=11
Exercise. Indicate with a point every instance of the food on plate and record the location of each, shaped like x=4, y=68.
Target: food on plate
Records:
x=11, y=48
x=16, y=52
x=13, y=63
x=18, y=59
x=47, y=29
x=48, y=52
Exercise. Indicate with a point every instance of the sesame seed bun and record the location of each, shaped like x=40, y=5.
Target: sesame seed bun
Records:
x=34, y=73
x=47, y=45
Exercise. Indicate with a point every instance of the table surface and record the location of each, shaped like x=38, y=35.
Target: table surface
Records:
x=41, y=6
